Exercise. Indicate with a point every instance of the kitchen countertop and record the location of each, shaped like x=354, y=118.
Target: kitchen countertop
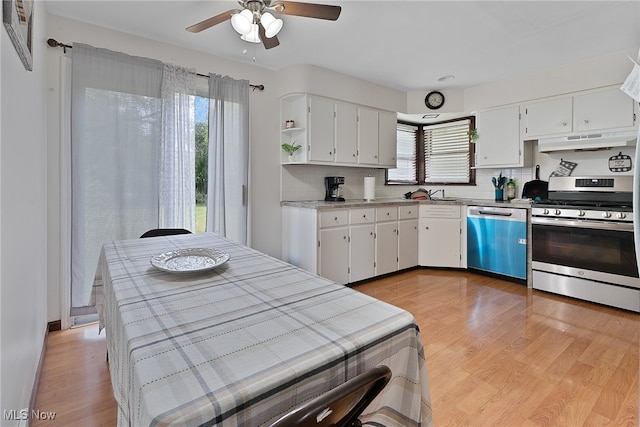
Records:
x=359, y=203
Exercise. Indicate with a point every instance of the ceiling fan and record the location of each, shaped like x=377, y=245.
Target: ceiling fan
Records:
x=256, y=23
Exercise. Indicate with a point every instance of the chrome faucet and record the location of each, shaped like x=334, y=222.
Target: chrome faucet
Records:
x=432, y=193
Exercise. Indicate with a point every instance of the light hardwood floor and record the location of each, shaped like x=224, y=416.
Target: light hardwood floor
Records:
x=497, y=354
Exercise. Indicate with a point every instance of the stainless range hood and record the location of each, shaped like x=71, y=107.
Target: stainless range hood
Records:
x=588, y=141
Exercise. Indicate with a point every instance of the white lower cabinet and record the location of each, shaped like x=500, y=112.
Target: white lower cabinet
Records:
x=361, y=252
x=407, y=244
x=441, y=236
x=334, y=254
x=333, y=242
x=407, y=236
x=350, y=245
x=386, y=240
x=362, y=244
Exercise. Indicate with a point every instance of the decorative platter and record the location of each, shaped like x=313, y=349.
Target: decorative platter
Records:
x=189, y=260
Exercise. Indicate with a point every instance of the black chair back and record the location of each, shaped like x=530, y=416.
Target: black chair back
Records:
x=341, y=406
x=164, y=232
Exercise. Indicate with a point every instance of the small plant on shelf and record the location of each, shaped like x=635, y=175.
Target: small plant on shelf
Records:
x=473, y=135
x=291, y=148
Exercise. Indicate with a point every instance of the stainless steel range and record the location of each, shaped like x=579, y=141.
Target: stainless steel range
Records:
x=582, y=241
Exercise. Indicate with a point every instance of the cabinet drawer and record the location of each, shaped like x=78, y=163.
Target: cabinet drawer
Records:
x=363, y=216
x=440, y=211
x=408, y=212
x=387, y=213
x=334, y=218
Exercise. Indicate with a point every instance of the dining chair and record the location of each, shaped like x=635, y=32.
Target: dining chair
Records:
x=341, y=406
x=164, y=232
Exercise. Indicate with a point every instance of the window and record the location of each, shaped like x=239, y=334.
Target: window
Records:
x=439, y=153
x=202, y=159
x=406, y=161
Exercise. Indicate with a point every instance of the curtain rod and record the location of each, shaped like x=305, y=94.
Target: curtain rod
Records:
x=259, y=87
x=55, y=43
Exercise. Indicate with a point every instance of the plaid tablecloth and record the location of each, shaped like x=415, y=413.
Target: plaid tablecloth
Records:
x=243, y=344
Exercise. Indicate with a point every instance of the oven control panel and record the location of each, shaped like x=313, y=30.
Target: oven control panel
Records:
x=592, y=214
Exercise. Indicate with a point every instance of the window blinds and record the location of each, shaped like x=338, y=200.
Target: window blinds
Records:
x=446, y=149
x=405, y=172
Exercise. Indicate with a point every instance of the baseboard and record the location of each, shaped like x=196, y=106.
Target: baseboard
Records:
x=56, y=325
x=36, y=381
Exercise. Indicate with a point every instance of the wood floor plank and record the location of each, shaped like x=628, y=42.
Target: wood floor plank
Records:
x=498, y=354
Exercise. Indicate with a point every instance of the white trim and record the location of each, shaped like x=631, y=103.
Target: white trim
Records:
x=65, y=193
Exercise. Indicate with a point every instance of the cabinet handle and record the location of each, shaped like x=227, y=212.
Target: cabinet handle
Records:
x=364, y=216
x=564, y=124
x=586, y=121
x=335, y=218
x=426, y=228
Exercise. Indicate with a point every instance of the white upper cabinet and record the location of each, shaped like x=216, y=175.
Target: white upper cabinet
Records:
x=387, y=139
x=597, y=110
x=602, y=110
x=346, y=148
x=552, y=117
x=367, y=136
x=336, y=132
x=499, y=143
x=321, y=129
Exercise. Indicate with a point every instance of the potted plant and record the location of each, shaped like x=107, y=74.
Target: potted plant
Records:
x=473, y=135
x=291, y=149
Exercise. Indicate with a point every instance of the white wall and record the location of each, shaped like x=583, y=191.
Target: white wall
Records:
x=590, y=74
x=320, y=81
x=23, y=218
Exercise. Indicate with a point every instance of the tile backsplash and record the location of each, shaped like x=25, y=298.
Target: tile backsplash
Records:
x=306, y=182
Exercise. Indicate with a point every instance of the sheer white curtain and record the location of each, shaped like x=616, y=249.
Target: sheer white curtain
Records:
x=116, y=113
x=228, y=157
x=125, y=156
x=177, y=159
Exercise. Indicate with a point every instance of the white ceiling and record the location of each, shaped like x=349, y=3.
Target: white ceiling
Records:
x=405, y=45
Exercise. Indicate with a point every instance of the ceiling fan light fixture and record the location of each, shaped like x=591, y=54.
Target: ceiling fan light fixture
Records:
x=272, y=26
x=252, y=36
x=242, y=22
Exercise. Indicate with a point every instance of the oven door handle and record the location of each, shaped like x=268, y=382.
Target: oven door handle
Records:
x=598, y=225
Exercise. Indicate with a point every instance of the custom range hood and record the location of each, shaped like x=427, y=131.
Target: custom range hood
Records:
x=588, y=141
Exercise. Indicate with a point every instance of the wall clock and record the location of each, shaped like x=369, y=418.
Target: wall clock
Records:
x=434, y=100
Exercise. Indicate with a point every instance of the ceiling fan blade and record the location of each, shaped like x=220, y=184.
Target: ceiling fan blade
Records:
x=208, y=23
x=267, y=42
x=310, y=10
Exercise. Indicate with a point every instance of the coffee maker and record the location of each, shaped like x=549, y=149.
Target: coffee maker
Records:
x=332, y=187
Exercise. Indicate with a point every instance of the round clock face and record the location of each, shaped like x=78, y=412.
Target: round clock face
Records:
x=434, y=100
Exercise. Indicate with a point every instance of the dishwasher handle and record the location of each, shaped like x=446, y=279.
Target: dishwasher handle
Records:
x=497, y=213
x=492, y=213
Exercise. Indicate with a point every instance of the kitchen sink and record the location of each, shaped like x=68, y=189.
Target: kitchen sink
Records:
x=443, y=199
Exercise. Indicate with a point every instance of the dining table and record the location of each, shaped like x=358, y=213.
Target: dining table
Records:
x=245, y=340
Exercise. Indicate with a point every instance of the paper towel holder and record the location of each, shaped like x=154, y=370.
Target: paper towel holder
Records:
x=369, y=188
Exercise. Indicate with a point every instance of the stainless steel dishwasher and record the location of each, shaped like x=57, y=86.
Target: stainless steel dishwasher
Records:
x=497, y=240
